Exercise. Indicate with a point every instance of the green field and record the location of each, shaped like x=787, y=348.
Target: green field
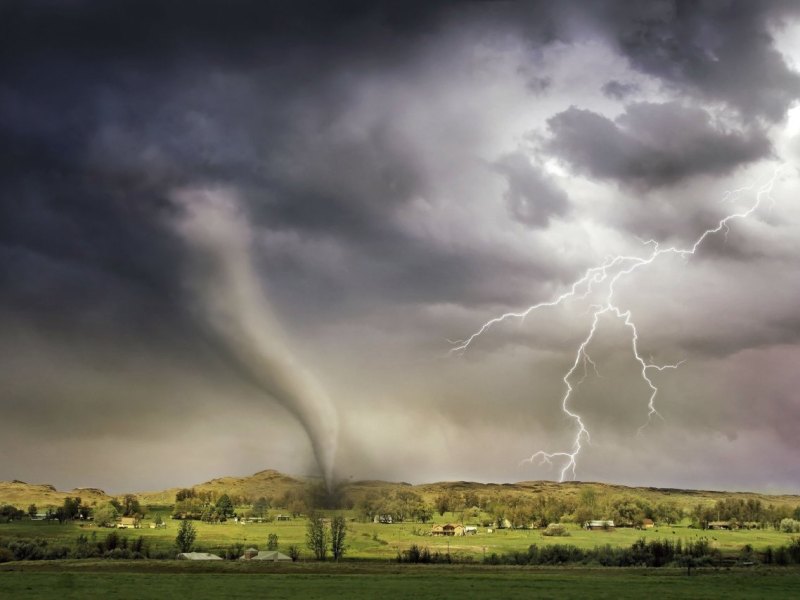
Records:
x=173, y=579
x=383, y=541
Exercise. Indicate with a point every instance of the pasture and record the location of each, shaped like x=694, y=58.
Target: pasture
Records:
x=373, y=541
x=174, y=579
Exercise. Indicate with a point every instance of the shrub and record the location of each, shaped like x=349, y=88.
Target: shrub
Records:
x=556, y=529
x=789, y=526
x=294, y=552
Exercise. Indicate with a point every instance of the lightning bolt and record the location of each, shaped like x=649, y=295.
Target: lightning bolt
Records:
x=609, y=273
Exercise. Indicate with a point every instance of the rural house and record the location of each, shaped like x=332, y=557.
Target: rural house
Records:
x=448, y=529
x=269, y=555
x=197, y=556
x=598, y=525
x=129, y=523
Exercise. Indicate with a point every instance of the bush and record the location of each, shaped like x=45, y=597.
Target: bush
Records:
x=233, y=552
x=417, y=554
x=789, y=526
x=556, y=529
x=294, y=552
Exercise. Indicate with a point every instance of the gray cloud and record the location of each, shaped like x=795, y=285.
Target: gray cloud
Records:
x=379, y=151
x=717, y=51
x=619, y=90
x=652, y=145
x=532, y=197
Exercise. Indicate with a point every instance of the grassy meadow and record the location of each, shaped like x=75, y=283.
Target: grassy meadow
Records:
x=370, y=568
x=382, y=542
x=174, y=579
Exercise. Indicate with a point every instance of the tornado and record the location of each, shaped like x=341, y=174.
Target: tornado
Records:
x=228, y=297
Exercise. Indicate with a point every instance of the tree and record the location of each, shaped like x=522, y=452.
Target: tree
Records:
x=423, y=513
x=317, y=537
x=186, y=536
x=260, y=506
x=105, y=515
x=294, y=552
x=225, y=506
x=32, y=511
x=442, y=503
x=185, y=494
x=272, y=541
x=338, y=534
x=130, y=506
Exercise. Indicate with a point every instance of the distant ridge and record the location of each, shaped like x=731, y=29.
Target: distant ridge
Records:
x=274, y=484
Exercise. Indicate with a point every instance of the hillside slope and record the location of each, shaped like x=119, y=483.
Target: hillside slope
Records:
x=273, y=484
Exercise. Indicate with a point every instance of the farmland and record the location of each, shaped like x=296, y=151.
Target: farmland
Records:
x=495, y=561
x=172, y=579
x=373, y=541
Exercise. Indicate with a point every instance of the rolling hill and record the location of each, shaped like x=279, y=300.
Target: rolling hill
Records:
x=273, y=484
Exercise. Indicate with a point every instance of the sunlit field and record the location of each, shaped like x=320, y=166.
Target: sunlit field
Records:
x=384, y=541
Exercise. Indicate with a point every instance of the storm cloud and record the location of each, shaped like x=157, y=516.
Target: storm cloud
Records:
x=651, y=145
x=404, y=174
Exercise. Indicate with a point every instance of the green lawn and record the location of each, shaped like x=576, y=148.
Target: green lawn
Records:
x=382, y=542
x=173, y=579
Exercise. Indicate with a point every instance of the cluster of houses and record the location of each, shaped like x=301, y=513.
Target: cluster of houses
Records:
x=246, y=520
x=605, y=525
x=249, y=554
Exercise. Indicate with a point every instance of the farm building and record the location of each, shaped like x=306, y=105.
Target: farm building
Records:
x=269, y=555
x=720, y=525
x=128, y=523
x=647, y=524
x=386, y=519
x=197, y=556
x=283, y=518
x=598, y=525
x=470, y=530
x=448, y=529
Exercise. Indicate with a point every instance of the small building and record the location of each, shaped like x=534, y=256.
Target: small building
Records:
x=648, y=524
x=197, y=556
x=720, y=525
x=470, y=530
x=268, y=555
x=385, y=519
x=448, y=529
x=283, y=518
x=161, y=525
x=39, y=516
x=129, y=523
x=598, y=525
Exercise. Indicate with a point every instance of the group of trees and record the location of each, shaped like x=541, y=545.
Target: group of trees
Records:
x=193, y=506
x=739, y=512
x=10, y=513
x=401, y=505
x=322, y=533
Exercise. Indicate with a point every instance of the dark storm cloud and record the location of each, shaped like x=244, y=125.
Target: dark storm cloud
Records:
x=307, y=111
x=532, y=198
x=720, y=51
x=651, y=145
x=619, y=90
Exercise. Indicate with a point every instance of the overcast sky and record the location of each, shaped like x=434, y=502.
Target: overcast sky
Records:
x=239, y=235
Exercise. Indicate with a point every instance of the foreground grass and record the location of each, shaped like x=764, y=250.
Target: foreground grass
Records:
x=174, y=579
